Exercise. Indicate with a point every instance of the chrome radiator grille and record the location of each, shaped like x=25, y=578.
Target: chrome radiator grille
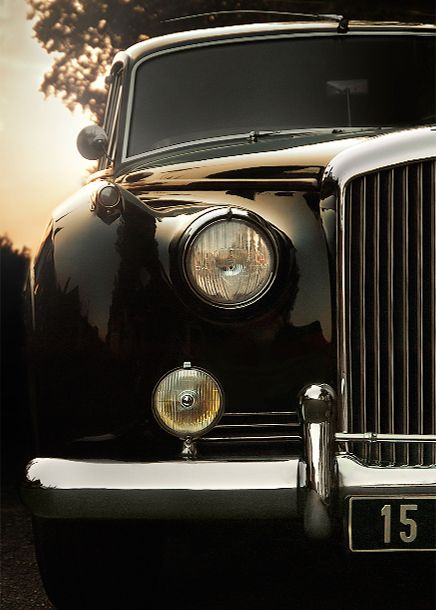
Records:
x=388, y=310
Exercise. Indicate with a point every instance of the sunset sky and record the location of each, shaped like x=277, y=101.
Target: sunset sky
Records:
x=40, y=165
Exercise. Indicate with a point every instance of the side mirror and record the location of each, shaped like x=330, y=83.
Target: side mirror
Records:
x=92, y=142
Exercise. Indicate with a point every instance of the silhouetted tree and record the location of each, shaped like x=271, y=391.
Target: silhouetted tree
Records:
x=85, y=35
x=15, y=429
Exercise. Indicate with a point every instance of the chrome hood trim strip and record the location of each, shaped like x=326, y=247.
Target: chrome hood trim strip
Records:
x=383, y=151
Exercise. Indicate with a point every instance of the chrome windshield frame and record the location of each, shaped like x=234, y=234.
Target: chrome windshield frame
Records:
x=267, y=35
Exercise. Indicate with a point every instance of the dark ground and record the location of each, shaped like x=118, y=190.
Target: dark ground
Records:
x=21, y=584
x=223, y=572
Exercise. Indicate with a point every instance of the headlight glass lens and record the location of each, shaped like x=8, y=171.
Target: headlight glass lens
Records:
x=230, y=262
x=187, y=402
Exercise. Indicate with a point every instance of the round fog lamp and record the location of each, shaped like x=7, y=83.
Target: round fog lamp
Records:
x=187, y=402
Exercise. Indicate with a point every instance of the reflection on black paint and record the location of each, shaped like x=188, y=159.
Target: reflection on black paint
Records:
x=92, y=383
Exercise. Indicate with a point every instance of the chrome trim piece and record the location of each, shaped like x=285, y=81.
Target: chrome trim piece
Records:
x=362, y=313
x=266, y=425
x=419, y=308
x=385, y=151
x=54, y=473
x=177, y=39
x=405, y=307
x=187, y=489
x=375, y=195
x=390, y=305
x=376, y=437
x=262, y=413
x=252, y=439
x=274, y=426
x=353, y=475
x=317, y=402
x=190, y=490
x=432, y=292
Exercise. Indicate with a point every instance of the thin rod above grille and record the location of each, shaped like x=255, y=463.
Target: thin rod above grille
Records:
x=260, y=427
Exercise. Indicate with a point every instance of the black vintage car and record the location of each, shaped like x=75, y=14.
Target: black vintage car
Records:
x=235, y=319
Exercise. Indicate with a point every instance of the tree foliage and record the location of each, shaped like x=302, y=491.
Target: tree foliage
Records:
x=14, y=416
x=14, y=264
x=84, y=35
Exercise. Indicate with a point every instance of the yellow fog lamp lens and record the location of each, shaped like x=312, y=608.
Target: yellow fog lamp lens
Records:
x=187, y=402
x=230, y=262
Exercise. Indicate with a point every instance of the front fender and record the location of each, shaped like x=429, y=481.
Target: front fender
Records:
x=110, y=320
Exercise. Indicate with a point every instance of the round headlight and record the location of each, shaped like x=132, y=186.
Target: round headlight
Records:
x=230, y=262
x=187, y=402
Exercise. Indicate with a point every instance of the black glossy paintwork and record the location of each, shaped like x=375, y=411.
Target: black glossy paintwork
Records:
x=113, y=314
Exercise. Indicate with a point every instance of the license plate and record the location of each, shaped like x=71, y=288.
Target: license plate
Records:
x=392, y=523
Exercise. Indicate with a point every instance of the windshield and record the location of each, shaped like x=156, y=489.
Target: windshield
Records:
x=282, y=84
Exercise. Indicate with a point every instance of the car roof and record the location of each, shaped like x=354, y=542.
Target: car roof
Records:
x=237, y=31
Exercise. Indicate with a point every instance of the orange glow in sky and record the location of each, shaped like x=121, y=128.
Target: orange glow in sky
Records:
x=40, y=165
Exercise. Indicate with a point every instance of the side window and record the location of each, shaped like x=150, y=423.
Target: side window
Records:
x=111, y=117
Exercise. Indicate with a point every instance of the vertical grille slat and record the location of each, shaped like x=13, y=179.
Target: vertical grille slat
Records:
x=389, y=310
x=430, y=193
x=349, y=231
x=389, y=259
x=376, y=308
x=362, y=301
x=419, y=310
x=405, y=307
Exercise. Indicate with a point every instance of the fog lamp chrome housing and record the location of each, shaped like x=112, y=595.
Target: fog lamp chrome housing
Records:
x=230, y=260
x=187, y=402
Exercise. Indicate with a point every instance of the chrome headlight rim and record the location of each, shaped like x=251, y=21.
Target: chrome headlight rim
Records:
x=192, y=435
x=207, y=220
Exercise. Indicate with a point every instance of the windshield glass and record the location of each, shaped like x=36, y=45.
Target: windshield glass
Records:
x=295, y=83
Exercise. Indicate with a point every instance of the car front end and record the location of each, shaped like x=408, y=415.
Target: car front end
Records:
x=239, y=323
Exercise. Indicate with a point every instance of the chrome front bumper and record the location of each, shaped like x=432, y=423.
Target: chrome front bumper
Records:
x=57, y=488
x=162, y=490
x=312, y=488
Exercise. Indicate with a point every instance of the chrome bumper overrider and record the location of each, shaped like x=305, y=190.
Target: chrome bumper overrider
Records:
x=313, y=488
